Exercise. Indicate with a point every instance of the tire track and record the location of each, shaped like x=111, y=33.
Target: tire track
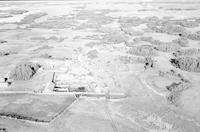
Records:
x=108, y=113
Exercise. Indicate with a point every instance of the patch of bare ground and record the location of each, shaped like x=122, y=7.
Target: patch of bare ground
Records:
x=42, y=51
x=153, y=20
x=95, y=14
x=24, y=71
x=95, y=20
x=190, y=64
x=44, y=39
x=93, y=44
x=93, y=54
x=56, y=39
x=58, y=22
x=183, y=42
x=44, y=47
x=32, y=17
x=131, y=32
x=113, y=38
x=131, y=21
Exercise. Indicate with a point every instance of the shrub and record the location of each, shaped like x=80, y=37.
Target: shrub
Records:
x=187, y=52
x=194, y=36
x=186, y=63
x=178, y=87
x=149, y=62
x=175, y=91
x=144, y=50
x=173, y=98
x=131, y=59
x=167, y=47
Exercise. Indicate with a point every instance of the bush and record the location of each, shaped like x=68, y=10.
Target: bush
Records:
x=148, y=39
x=178, y=87
x=167, y=47
x=175, y=91
x=186, y=63
x=113, y=38
x=144, y=50
x=149, y=62
x=131, y=59
x=173, y=98
x=194, y=36
x=187, y=52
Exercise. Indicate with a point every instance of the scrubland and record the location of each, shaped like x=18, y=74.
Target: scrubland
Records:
x=147, y=51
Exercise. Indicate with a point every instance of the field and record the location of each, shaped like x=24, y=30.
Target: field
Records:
x=148, y=51
x=41, y=108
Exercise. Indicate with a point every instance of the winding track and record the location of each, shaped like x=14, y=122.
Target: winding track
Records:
x=149, y=87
